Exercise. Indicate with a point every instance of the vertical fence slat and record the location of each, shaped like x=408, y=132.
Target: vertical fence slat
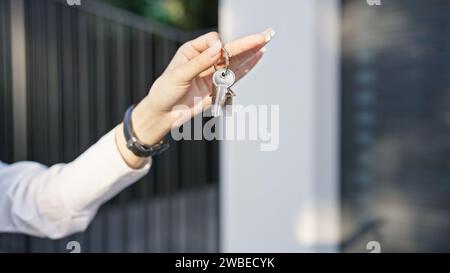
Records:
x=54, y=87
x=18, y=78
x=84, y=93
x=68, y=84
x=101, y=77
x=6, y=139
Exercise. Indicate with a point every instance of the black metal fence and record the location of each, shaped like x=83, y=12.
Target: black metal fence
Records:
x=85, y=65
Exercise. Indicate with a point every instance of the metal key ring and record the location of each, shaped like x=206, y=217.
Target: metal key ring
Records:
x=227, y=60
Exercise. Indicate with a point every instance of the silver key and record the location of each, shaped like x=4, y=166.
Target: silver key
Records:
x=222, y=79
x=229, y=102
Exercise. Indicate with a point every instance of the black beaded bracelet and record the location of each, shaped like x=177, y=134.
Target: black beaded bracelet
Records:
x=136, y=146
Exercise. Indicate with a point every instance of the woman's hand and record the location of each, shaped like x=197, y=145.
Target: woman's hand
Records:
x=187, y=82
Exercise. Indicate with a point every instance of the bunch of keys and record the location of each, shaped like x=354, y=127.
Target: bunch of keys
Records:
x=223, y=79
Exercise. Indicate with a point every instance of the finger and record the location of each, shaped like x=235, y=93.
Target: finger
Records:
x=205, y=41
x=186, y=72
x=248, y=65
x=244, y=49
x=238, y=61
x=249, y=43
x=195, y=47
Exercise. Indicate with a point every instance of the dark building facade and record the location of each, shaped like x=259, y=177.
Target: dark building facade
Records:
x=395, y=125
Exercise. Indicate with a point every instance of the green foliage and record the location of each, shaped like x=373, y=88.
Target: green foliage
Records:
x=184, y=14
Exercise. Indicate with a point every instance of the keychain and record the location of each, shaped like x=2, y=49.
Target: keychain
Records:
x=223, y=79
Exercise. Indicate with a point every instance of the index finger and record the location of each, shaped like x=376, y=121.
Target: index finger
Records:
x=249, y=43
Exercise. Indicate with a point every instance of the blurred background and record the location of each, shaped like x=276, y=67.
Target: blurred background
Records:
x=182, y=14
x=364, y=132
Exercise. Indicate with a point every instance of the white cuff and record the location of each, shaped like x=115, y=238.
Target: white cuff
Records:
x=97, y=175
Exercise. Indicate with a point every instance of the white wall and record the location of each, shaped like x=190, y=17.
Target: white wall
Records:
x=286, y=200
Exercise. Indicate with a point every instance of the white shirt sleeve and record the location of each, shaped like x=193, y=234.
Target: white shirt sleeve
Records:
x=58, y=201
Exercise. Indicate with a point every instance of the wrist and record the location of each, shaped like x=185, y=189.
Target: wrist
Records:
x=149, y=124
x=130, y=159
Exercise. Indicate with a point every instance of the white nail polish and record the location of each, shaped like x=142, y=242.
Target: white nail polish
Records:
x=268, y=34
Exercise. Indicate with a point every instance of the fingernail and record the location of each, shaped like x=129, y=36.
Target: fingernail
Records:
x=264, y=49
x=215, y=49
x=268, y=34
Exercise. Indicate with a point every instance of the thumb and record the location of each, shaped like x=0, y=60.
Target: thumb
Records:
x=200, y=63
